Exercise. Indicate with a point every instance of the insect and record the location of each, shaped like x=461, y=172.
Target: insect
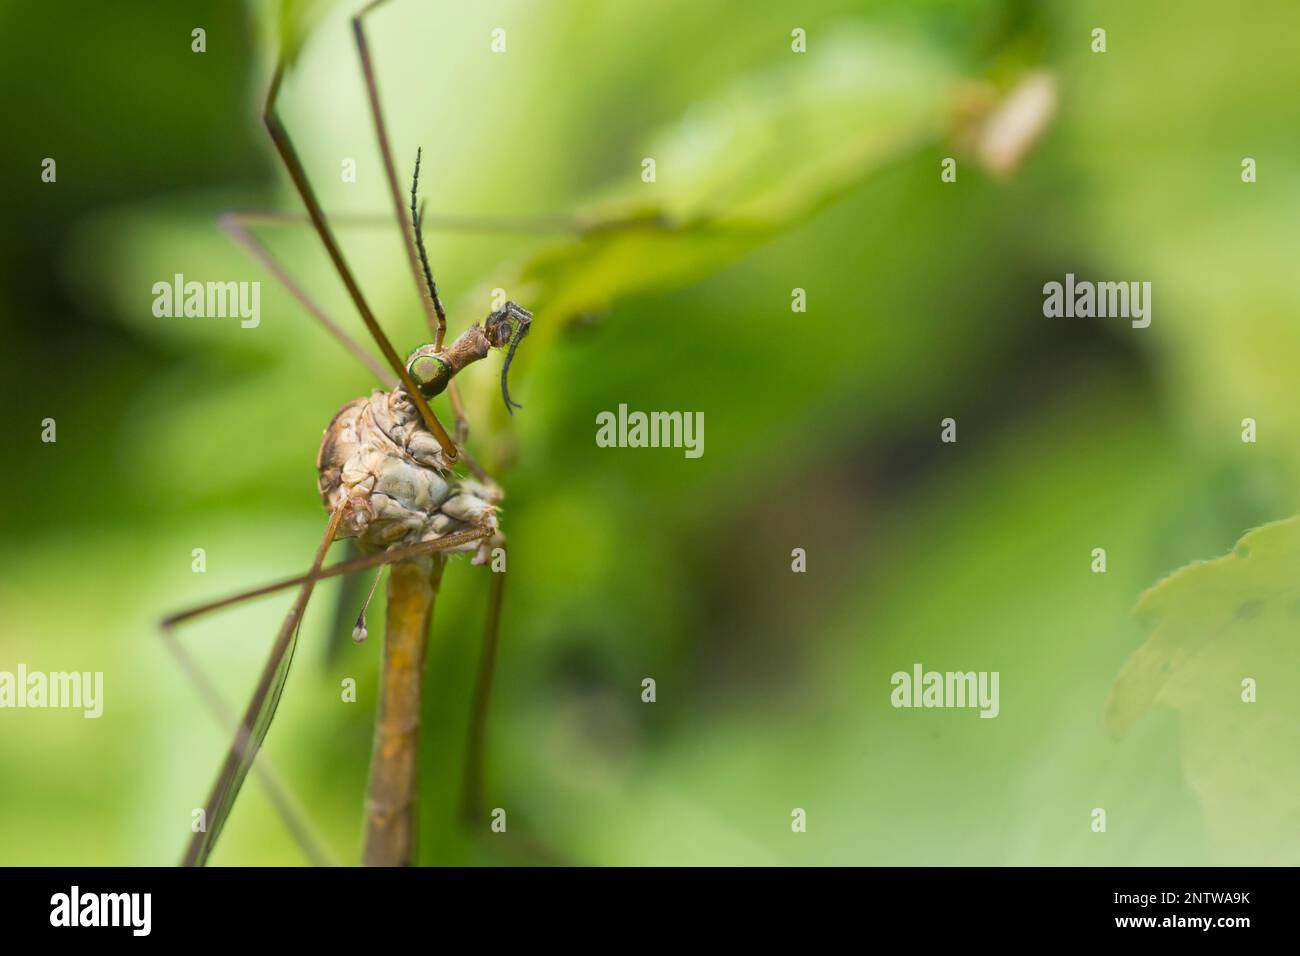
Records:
x=390, y=476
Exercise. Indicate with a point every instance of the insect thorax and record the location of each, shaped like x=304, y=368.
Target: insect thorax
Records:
x=378, y=459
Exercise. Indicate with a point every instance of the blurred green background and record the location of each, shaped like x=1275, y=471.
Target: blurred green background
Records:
x=822, y=428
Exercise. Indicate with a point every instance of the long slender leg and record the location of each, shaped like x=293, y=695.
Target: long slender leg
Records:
x=448, y=542
x=234, y=224
x=473, y=805
x=261, y=709
x=284, y=146
x=491, y=225
x=252, y=731
x=462, y=432
x=476, y=741
x=285, y=804
x=458, y=409
x=432, y=309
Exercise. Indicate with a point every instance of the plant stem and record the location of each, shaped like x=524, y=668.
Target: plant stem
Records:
x=391, y=804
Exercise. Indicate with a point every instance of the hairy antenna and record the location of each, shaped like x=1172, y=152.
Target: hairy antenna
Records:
x=416, y=220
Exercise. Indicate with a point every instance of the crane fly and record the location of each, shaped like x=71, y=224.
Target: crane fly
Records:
x=388, y=477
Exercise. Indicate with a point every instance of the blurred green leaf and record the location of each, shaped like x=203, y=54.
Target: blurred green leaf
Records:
x=1217, y=623
x=773, y=148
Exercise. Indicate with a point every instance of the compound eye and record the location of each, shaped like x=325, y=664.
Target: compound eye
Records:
x=430, y=373
x=498, y=333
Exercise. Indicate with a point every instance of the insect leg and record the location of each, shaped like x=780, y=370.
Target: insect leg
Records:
x=252, y=730
x=517, y=845
x=257, y=718
x=458, y=409
x=237, y=224
x=234, y=223
x=433, y=313
x=283, y=801
x=293, y=165
x=462, y=432
x=446, y=543
x=476, y=739
x=486, y=225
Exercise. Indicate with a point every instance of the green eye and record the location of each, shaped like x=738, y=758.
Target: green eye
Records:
x=430, y=373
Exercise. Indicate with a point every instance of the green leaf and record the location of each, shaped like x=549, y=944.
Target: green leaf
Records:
x=1215, y=625
x=763, y=154
x=780, y=142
